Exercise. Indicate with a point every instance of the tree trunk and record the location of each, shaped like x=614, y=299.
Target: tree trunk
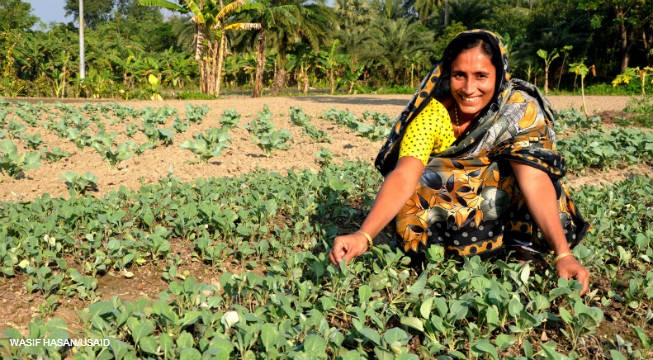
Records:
x=307, y=83
x=279, y=79
x=221, y=51
x=623, y=36
x=332, y=80
x=260, y=64
x=546, y=80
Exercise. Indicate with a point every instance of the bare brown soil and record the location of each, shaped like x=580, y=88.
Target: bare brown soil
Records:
x=243, y=155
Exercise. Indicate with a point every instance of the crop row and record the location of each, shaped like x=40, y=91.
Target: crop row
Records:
x=302, y=306
x=86, y=126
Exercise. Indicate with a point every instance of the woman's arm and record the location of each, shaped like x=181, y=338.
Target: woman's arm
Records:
x=541, y=200
x=397, y=188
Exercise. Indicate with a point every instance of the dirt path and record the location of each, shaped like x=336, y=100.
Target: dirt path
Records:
x=243, y=155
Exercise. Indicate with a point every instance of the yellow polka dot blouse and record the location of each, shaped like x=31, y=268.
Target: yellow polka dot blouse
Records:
x=429, y=133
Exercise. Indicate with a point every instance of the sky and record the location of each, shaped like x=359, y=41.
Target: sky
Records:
x=49, y=10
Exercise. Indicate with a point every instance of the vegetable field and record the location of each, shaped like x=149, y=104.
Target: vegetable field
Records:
x=199, y=230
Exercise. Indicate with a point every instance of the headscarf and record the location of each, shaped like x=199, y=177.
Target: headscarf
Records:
x=436, y=85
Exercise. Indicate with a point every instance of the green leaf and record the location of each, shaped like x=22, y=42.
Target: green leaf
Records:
x=419, y=285
x=566, y=316
x=190, y=318
x=185, y=340
x=412, y=322
x=515, y=306
x=504, y=341
x=269, y=336
x=641, y=335
x=492, y=315
x=364, y=293
x=140, y=328
x=167, y=345
x=616, y=355
x=149, y=345
x=371, y=335
x=396, y=335
x=425, y=308
x=485, y=347
x=314, y=345
x=190, y=354
x=220, y=348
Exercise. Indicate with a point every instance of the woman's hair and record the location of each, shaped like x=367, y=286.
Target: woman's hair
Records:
x=466, y=41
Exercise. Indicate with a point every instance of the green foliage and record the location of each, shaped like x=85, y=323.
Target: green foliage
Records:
x=230, y=118
x=374, y=126
x=195, y=113
x=377, y=306
x=264, y=134
x=14, y=163
x=194, y=95
x=208, y=144
x=605, y=149
x=299, y=118
x=80, y=184
x=642, y=110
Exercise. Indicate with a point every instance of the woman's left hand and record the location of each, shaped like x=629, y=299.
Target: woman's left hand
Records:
x=569, y=267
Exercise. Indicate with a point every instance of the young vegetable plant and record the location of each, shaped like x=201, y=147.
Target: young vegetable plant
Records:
x=80, y=184
x=299, y=118
x=265, y=136
x=14, y=163
x=230, y=118
x=208, y=144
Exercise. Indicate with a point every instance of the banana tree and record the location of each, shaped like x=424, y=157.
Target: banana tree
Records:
x=548, y=59
x=580, y=69
x=210, y=20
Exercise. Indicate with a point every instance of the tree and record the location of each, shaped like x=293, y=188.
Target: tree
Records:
x=95, y=11
x=15, y=14
x=285, y=23
x=548, y=59
x=209, y=18
x=426, y=10
x=632, y=20
x=580, y=69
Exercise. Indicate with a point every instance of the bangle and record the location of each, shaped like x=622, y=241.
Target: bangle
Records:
x=368, y=237
x=561, y=256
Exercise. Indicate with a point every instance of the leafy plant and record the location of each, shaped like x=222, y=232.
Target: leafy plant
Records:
x=80, y=184
x=14, y=163
x=208, y=144
x=299, y=118
x=265, y=136
x=230, y=118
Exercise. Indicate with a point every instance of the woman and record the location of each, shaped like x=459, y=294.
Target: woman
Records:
x=496, y=189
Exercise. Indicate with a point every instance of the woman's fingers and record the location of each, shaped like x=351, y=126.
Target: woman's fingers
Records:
x=569, y=267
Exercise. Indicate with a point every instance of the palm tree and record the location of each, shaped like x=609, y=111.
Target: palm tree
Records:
x=285, y=23
x=428, y=9
x=395, y=47
x=210, y=20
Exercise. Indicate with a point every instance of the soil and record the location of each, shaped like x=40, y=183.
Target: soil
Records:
x=17, y=307
x=243, y=155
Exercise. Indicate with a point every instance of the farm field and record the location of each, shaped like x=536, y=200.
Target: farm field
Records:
x=199, y=228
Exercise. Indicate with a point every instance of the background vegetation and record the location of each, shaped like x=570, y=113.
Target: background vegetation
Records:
x=294, y=46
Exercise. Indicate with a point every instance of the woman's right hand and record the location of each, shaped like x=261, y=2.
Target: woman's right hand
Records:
x=347, y=247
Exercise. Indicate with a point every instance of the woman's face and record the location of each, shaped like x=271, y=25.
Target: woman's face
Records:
x=473, y=79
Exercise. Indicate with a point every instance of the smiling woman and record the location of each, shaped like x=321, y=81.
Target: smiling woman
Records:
x=496, y=190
